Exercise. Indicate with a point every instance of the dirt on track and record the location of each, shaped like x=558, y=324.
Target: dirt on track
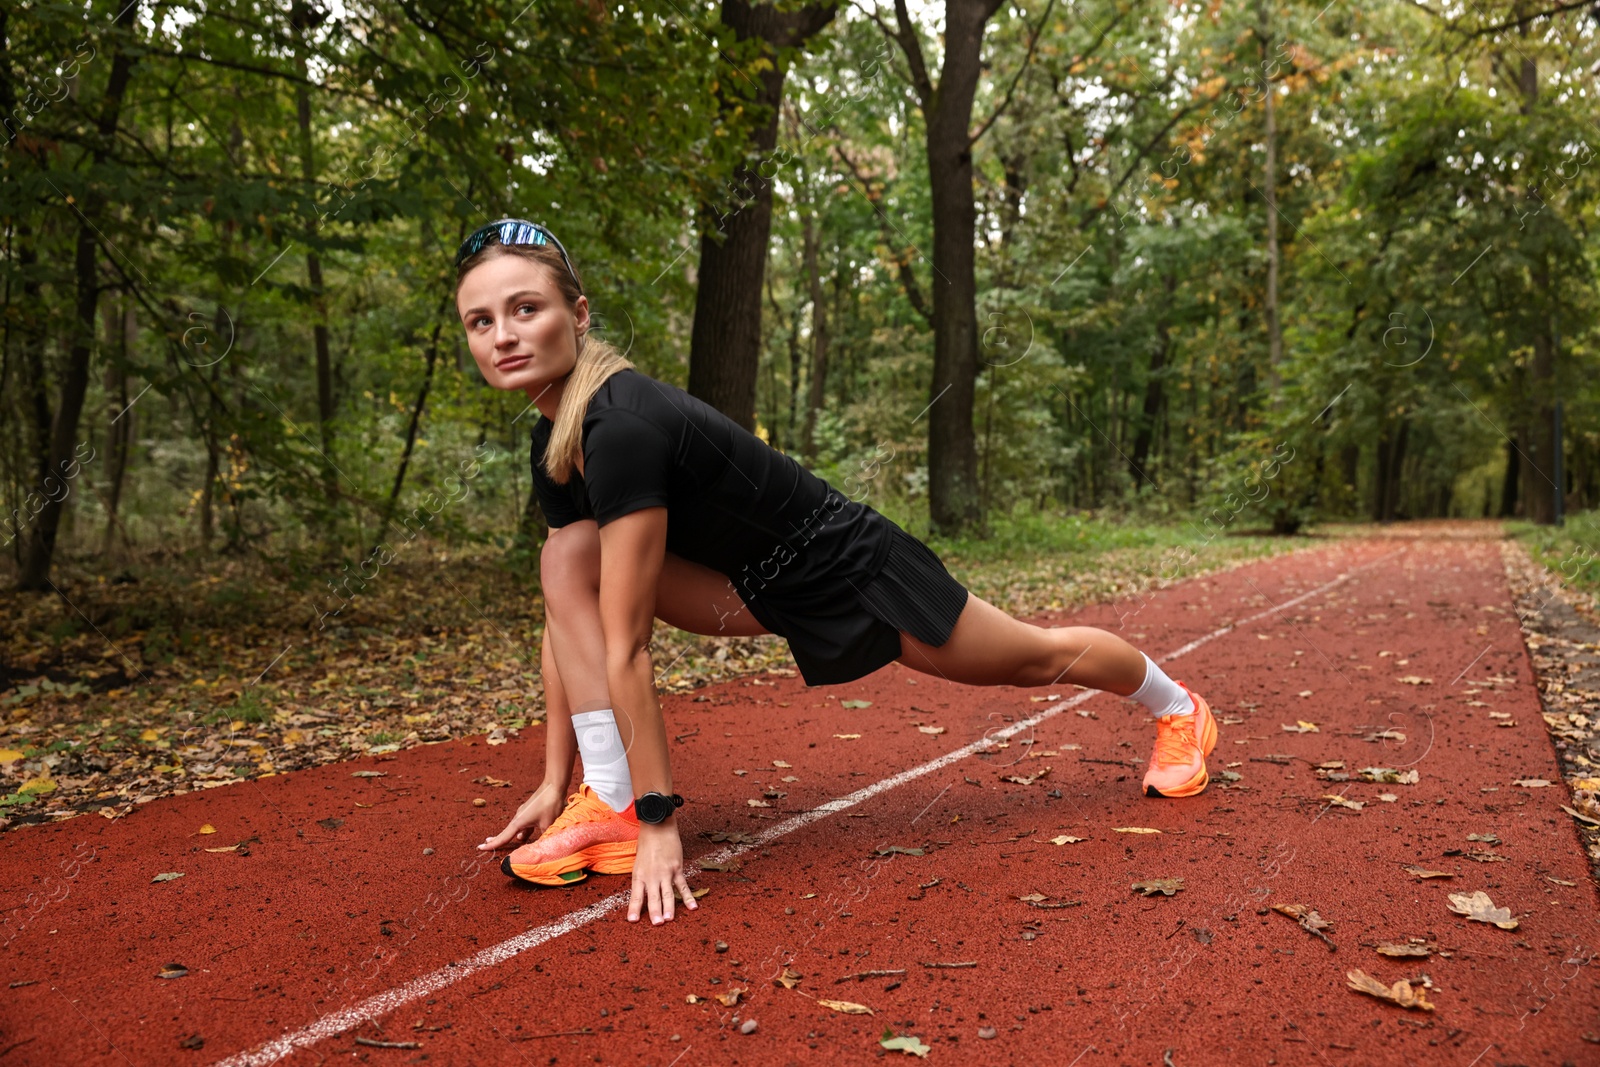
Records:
x=358, y=912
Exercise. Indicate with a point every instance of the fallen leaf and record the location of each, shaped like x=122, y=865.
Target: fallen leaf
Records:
x=731, y=997
x=1302, y=727
x=693, y=999
x=172, y=970
x=1423, y=872
x=698, y=893
x=490, y=779
x=788, y=979
x=725, y=865
x=1388, y=798
x=9, y=755
x=1133, y=830
x=1386, y=735
x=1412, y=679
x=1531, y=783
x=1389, y=774
x=782, y=764
x=1065, y=840
x=166, y=877
x=1307, y=917
x=847, y=1007
x=908, y=1044
x=788, y=778
x=931, y=729
x=1400, y=993
x=1151, y=887
x=1404, y=951
x=39, y=786
x=1341, y=802
x=758, y=804
x=379, y=774
x=1488, y=839
x=229, y=848
x=847, y=737
x=1034, y=896
x=1025, y=779
x=1559, y=881
x=1580, y=816
x=855, y=703
x=901, y=849
x=1478, y=907
x=207, y=829
x=1306, y=693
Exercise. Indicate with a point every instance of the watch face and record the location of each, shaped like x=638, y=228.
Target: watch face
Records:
x=652, y=807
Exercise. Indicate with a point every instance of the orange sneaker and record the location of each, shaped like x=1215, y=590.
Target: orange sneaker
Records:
x=1178, y=764
x=587, y=834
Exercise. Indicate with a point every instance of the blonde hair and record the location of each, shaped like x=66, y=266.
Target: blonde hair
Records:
x=597, y=359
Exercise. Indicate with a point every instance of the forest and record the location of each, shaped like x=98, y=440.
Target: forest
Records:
x=1240, y=265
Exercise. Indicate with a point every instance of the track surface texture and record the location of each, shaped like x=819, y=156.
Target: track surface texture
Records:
x=335, y=928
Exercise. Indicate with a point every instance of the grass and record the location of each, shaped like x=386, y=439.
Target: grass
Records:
x=1571, y=551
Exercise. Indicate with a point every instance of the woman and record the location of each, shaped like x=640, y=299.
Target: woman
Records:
x=662, y=507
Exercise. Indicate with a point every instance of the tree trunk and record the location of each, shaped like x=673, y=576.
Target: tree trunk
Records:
x=947, y=110
x=1154, y=384
x=119, y=436
x=1269, y=193
x=819, y=334
x=35, y=573
x=725, y=345
x=306, y=18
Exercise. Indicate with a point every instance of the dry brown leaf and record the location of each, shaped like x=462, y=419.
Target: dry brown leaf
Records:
x=1025, y=779
x=1167, y=886
x=847, y=737
x=1531, y=783
x=1308, y=919
x=207, y=829
x=1065, y=840
x=698, y=893
x=847, y=1007
x=1133, y=830
x=731, y=997
x=758, y=804
x=1341, y=802
x=1412, y=679
x=930, y=730
x=1400, y=993
x=1302, y=727
x=788, y=979
x=1478, y=907
x=1034, y=896
x=1423, y=872
x=782, y=764
x=1404, y=951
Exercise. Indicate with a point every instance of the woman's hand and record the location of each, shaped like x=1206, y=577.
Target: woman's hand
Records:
x=658, y=873
x=532, y=819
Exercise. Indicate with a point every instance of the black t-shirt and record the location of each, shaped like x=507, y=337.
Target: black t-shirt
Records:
x=734, y=503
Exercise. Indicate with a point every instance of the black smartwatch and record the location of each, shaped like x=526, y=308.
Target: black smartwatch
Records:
x=656, y=807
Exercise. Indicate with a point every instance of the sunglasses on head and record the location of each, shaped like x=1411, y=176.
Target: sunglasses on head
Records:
x=513, y=232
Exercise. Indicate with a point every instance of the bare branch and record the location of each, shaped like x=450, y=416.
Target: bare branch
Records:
x=1033, y=41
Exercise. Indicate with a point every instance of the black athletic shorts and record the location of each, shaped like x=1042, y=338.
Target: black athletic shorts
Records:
x=847, y=632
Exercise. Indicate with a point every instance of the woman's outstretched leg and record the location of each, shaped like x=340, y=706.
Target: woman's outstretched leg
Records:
x=989, y=647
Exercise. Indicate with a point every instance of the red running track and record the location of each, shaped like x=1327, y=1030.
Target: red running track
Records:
x=327, y=932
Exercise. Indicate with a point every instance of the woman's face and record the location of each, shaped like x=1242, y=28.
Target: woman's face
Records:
x=519, y=327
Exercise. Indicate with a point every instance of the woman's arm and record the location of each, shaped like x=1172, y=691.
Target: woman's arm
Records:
x=560, y=749
x=632, y=550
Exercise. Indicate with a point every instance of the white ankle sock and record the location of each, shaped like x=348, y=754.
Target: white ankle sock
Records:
x=605, y=762
x=1161, y=694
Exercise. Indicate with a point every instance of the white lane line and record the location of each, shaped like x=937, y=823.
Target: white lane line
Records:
x=339, y=1022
